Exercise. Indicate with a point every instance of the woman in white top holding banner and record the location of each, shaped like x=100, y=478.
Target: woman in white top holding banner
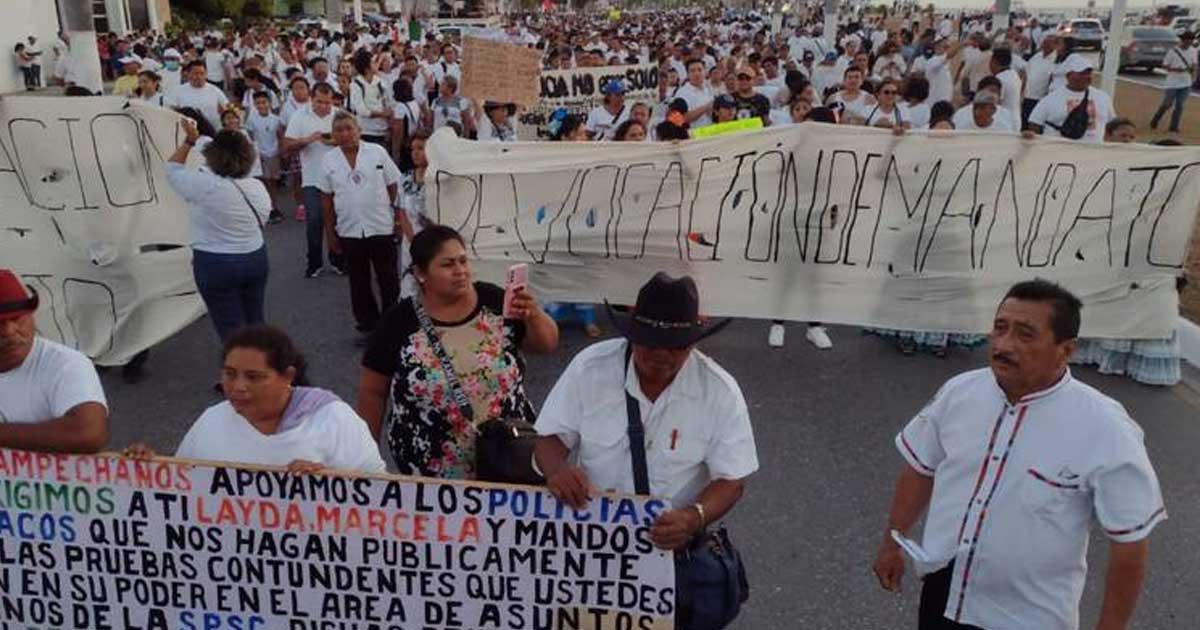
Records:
x=271, y=417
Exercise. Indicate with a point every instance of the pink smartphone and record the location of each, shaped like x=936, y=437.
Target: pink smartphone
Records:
x=516, y=278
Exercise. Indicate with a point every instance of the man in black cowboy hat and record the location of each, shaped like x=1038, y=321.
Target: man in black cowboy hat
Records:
x=50, y=395
x=699, y=446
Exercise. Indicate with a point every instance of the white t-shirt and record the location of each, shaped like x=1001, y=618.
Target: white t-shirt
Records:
x=304, y=123
x=875, y=115
x=366, y=97
x=219, y=219
x=264, y=131
x=1176, y=64
x=916, y=115
x=454, y=109
x=1010, y=93
x=1054, y=109
x=696, y=98
x=1038, y=73
x=51, y=381
x=410, y=113
x=208, y=100
x=602, y=124
x=214, y=63
x=360, y=196
x=332, y=435
x=964, y=119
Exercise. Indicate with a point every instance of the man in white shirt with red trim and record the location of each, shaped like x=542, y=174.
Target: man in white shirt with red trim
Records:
x=1012, y=462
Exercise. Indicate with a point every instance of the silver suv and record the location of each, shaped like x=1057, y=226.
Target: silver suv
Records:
x=1082, y=33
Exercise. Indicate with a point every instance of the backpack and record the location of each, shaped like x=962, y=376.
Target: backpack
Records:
x=1075, y=125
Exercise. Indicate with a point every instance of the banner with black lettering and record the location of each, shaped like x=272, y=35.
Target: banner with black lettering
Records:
x=818, y=222
x=578, y=91
x=105, y=542
x=88, y=220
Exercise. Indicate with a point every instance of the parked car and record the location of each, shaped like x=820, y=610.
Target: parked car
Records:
x=1082, y=33
x=1145, y=47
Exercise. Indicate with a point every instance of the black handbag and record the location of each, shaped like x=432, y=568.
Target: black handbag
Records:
x=504, y=446
x=710, y=578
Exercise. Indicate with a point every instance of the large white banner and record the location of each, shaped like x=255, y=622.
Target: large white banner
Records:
x=578, y=91
x=836, y=224
x=93, y=542
x=87, y=218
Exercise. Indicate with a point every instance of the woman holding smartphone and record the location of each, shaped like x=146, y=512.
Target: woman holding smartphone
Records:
x=432, y=434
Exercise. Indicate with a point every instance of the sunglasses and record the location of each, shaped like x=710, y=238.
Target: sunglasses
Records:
x=886, y=92
x=745, y=77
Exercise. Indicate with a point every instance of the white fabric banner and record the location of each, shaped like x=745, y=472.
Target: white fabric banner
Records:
x=578, y=90
x=97, y=541
x=850, y=225
x=88, y=220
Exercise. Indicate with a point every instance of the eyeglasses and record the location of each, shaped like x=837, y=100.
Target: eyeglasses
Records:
x=887, y=92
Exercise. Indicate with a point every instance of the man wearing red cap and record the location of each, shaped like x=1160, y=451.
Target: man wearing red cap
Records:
x=50, y=395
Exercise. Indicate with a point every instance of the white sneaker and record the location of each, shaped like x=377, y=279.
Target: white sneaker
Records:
x=817, y=336
x=775, y=337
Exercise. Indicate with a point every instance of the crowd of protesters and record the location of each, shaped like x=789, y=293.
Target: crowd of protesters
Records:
x=283, y=88
x=339, y=121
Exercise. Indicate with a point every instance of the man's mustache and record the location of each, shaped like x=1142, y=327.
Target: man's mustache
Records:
x=1004, y=358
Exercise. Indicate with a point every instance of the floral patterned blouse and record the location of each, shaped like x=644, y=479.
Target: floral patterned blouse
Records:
x=428, y=436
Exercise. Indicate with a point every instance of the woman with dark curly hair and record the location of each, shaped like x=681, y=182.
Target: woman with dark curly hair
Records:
x=226, y=210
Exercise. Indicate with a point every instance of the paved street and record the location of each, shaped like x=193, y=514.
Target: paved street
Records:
x=824, y=422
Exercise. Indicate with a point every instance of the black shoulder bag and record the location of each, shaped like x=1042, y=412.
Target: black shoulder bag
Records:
x=1075, y=125
x=710, y=579
x=504, y=446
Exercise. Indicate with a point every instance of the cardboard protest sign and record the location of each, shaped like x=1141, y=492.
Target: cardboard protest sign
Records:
x=87, y=218
x=578, y=91
x=496, y=71
x=106, y=542
x=818, y=222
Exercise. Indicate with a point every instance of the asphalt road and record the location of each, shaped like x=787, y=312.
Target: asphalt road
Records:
x=823, y=421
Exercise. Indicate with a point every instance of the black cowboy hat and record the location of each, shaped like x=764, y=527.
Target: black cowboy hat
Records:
x=511, y=107
x=667, y=314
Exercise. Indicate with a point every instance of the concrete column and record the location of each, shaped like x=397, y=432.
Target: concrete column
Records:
x=1000, y=19
x=358, y=11
x=831, y=24
x=80, y=26
x=333, y=14
x=1112, y=50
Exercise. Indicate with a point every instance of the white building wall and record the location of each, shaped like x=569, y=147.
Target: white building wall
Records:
x=20, y=19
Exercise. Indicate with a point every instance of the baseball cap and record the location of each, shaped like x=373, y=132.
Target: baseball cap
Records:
x=1077, y=63
x=15, y=299
x=986, y=97
x=616, y=86
x=724, y=100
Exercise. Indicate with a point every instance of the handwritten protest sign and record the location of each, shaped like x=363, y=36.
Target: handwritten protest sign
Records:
x=500, y=72
x=578, y=91
x=87, y=218
x=836, y=224
x=102, y=542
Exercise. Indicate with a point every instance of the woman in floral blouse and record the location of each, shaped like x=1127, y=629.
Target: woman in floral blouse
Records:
x=429, y=435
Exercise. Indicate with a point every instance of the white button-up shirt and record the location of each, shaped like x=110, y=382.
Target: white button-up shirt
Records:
x=360, y=195
x=697, y=430
x=1015, y=488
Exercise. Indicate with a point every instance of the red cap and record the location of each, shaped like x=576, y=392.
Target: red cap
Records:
x=15, y=300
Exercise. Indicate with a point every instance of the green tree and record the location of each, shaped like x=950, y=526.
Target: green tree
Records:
x=228, y=8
